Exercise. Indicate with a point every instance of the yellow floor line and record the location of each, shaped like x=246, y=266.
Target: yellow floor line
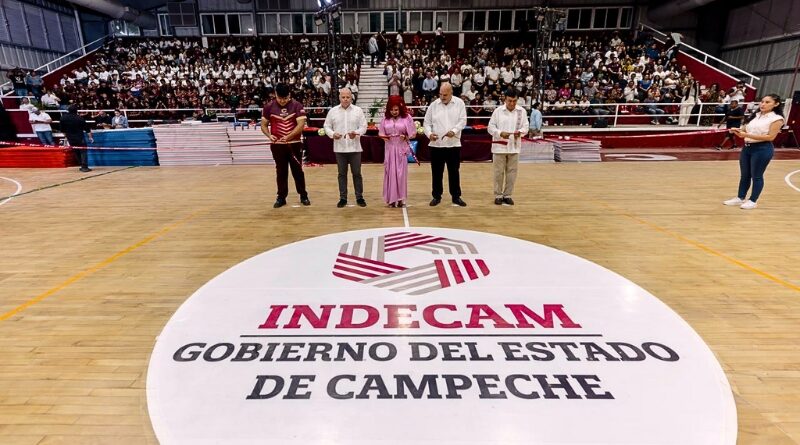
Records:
x=86, y=272
x=707, y=249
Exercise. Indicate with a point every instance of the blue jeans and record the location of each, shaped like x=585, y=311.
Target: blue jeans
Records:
x=45, y=137
x=753, y=162
x=21, y=92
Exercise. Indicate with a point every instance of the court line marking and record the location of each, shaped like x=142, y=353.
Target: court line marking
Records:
x=405, y=216
x=10, y=197
x=84, y=178
x=102, y=264
x=706, y=249
x=788, y=180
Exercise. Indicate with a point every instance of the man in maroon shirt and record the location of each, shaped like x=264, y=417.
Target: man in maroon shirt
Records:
x=282, y=121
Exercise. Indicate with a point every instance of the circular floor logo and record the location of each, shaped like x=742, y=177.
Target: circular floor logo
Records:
x=432, y=336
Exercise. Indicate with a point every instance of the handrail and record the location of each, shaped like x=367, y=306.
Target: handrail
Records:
x=707, y=56
x=548, y=119
x=46, y=65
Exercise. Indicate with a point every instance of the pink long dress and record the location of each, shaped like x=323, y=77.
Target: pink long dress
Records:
x=395, y=162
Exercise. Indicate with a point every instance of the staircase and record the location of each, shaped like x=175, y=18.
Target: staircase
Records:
x=372, y=85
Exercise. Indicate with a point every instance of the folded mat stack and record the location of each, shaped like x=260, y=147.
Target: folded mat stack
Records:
x=193, y=143
x=249, y=145
x=131, y=146
x=576, y=149
x=536, y=151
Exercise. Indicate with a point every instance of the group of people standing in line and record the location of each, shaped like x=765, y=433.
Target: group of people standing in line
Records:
x=283, y=120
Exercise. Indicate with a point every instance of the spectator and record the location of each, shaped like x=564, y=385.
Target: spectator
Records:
x=374, y=50
x=650, y=107
x=438, y=39
x=40, y=122
x=430, y=86
x=399, y=41
x=74, y=127
x=17, y=77
x=382, y=45
x=689, y=100
x=34, y=83
x=119, y=121
x=51, y=101
x=395, y=88
x=102, y=120
x=733, y=119
x=535, y=123
x=417, y=40
x=25, y=104
x=629, y=93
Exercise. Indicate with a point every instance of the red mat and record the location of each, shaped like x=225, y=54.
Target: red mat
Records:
x=22, y=156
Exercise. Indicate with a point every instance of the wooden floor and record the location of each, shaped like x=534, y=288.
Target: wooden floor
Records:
x=91, y=270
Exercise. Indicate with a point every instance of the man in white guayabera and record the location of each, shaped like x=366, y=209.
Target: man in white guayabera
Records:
x=345, y=123
x=507, y=125
x=444, y=120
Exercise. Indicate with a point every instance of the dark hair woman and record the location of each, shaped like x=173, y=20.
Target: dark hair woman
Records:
x=759, y=131
x=396, y=129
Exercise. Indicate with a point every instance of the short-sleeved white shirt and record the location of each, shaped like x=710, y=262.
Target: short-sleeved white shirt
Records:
x=760, y=125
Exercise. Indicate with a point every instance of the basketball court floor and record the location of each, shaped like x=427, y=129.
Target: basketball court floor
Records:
x=93, y=267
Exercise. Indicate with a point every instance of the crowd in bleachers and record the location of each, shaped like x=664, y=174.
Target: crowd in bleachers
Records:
x=182, y=73
x=585, y=76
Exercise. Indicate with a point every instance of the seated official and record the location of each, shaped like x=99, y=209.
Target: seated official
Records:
x=102, y=120
x=119, y=120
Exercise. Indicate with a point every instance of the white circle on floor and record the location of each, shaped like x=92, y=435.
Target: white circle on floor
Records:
x=432, y=336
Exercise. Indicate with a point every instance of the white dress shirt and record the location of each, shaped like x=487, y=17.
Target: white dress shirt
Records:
x=344, y=120
x=40, y=122
x=760, y=125
x=441, y=119
x=507, y=121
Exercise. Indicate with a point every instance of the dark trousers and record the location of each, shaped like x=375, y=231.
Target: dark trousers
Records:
x=353, y=160
x=372, y=57
x=441, y=156
x=289, y=156
x=728, y=137
x=753, y=163
x=79, y=145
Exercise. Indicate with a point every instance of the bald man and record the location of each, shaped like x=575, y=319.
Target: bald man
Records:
x=345, y=123
x=444, y=120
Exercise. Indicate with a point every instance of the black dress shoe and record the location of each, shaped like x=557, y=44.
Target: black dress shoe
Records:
x=459, y=202
x=85, y=169
x=498, y=201
x=341, y=203
x=435, y=201
x=280, y=202
x=304, y=200
x=361, y=202
x=508, y=200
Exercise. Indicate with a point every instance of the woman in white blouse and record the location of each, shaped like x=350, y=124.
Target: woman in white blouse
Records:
x=758, y=132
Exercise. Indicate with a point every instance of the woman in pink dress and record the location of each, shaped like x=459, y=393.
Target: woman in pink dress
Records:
x=396, y=129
